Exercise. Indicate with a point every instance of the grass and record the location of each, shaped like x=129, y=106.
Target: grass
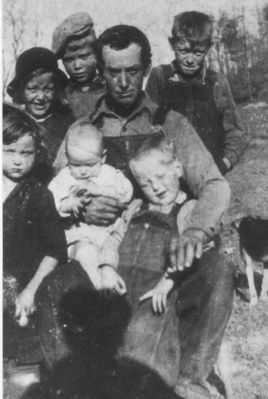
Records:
x=247, y=332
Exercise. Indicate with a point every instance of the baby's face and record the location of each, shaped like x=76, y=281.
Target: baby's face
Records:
x=158, y=177
x=85, y=161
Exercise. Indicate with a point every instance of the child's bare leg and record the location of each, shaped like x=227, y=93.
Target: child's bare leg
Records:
x=86, y=253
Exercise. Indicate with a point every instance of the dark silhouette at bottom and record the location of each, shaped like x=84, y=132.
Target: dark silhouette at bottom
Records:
x=94, y=326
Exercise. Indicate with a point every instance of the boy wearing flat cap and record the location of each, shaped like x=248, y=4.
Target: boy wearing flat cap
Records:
x=74, y=42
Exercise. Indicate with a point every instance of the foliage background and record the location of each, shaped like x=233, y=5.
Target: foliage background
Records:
x=240, y=44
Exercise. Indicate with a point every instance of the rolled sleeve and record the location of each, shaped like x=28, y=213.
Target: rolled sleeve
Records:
x=201, y=175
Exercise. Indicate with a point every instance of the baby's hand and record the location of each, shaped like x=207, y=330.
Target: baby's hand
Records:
x=24, y=306
x=159, y=294
x=78, y=204
x=111, y=280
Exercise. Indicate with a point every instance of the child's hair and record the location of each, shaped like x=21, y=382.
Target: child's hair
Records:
x=17, y=124
x=74, y=44
x=84, y=130
x=194, y=26
x=157, y=142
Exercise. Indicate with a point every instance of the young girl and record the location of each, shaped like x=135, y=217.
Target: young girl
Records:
x=37, y=85
x=33, y=240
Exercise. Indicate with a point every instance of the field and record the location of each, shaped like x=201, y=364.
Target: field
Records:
x=246, y=339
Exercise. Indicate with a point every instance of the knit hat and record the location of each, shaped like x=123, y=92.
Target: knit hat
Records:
x=75, y=26
x=31, y=60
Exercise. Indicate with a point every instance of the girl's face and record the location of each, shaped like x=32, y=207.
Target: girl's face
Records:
x=19, y=158
x=38, y=95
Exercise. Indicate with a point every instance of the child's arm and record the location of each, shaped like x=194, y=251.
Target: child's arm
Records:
x=49, y=244
x=159, y=294
x=234, y=134
x=25, y=300
x=63, y=188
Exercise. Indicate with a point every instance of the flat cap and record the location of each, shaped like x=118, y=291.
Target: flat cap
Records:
x=76, y=25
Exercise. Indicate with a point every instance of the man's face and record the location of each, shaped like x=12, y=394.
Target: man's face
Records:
x=124, y=73
x=158, y=177
x=80, y=64
x=189, y=57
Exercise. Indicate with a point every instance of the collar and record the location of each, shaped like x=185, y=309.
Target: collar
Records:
x=41, y=119
x=181, y=198
x=96, y=82
x=177, y=77
x=103, y=109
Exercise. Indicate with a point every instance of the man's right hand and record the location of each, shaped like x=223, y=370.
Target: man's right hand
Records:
x=102, y=211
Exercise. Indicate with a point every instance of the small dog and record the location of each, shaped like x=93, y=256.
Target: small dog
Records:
x=253, y=235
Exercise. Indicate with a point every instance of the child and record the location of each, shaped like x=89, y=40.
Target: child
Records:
x=74, y=42
x=37, y=85
x=202, y=95
x=152, y=336
x=87, y=175
x=158, y=173
x=33, y=240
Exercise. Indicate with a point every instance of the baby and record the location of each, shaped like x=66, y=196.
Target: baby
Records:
x=87, y=175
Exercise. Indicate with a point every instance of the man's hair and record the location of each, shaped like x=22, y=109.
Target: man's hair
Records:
x=157, y=142
x=194, y=26
x=120, y=37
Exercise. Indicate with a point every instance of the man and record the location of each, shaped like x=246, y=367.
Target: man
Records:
x=126, y=117
x=202, y=95
x=74, y=43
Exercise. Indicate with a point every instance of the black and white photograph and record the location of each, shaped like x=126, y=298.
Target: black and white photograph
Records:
x=138, y=268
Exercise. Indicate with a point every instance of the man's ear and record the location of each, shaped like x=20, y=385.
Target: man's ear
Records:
x=147, y=70
x=104, y=156
x=178, y=168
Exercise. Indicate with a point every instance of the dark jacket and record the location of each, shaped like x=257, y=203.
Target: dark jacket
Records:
x=82, y=98
x=31, y=231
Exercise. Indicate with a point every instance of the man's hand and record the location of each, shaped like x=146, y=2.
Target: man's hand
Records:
x=102, y=211
x=112, y=281
x=184, y=249
x=159, y=294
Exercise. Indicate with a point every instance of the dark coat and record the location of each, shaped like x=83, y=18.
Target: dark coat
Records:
x=31, y=230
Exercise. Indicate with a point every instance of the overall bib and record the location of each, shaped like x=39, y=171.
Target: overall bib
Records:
x=195, y=100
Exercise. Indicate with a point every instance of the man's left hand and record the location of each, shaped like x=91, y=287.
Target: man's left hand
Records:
x=184, y=249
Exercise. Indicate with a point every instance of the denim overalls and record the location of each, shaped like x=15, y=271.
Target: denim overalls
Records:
x=195, y=100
